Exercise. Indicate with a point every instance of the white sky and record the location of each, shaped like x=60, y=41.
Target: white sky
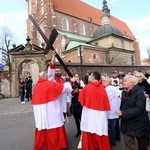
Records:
x=135, y=13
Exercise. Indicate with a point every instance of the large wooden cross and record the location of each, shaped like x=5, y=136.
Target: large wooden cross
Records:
x=50, y=43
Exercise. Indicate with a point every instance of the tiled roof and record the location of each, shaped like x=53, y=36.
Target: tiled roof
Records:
x=79, y=9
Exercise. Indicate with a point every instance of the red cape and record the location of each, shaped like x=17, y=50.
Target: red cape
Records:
x=45, y=91
x=58, y=80
x=94, y=96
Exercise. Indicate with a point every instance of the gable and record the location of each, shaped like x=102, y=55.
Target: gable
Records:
x=79, y=8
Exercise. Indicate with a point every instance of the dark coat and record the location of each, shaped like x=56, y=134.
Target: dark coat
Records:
x=134, y=119
x=145, y=86
x=22, y=88
x=76, y=107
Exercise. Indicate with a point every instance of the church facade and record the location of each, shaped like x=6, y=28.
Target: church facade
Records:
x=85, y=33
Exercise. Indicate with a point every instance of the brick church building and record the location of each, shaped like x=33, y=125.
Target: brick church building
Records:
x=85, y=32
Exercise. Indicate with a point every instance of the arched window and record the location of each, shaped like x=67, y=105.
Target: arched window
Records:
x=95, y=58
x=122, y=43
x=82, y=29
x=65, y=25
x=42, y=7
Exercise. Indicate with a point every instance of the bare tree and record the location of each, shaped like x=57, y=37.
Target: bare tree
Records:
x=6, y=39
x=112, y=56
x=148, y=51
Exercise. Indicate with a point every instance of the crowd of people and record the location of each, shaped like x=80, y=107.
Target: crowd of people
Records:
x=103, y=108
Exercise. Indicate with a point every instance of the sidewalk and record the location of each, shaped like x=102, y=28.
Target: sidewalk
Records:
x=13, y=106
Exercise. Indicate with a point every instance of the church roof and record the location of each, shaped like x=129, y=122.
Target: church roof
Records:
x=106, y=30
x=77, y=40
x=73, y=36
x=77, y=8
x=74, y=44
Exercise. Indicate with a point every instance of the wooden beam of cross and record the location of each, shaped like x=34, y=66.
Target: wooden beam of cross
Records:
x=50, y=43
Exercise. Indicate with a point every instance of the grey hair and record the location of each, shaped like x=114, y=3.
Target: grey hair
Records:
x=106, y=78
x=132, y=79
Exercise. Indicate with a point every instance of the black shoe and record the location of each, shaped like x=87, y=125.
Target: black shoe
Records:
x=77, y=134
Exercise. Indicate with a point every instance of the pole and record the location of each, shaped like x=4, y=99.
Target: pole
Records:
x=132, y=60
x=81, y=59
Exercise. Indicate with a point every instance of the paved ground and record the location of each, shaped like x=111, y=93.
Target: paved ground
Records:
x=17, y=127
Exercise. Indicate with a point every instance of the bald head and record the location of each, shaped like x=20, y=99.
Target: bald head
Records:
x=43, y=75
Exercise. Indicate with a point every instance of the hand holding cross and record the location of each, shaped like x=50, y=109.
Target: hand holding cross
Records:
x=50, y=43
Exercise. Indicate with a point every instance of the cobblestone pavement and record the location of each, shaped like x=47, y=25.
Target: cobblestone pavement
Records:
x=17, y=127
x=13, y=106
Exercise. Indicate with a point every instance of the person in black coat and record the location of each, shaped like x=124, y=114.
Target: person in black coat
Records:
x=22, y=91
x=134, y=118
x=29, y=88
x=76, y=107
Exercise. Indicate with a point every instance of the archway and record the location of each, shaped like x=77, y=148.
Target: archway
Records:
x=26, y=61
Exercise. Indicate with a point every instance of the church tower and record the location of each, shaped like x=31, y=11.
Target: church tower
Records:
x=105, y=19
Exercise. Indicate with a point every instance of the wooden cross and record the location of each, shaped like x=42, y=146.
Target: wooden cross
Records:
x=50, y=43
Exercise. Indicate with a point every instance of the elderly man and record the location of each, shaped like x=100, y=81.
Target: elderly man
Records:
x=94, y=122
x=113, y=118
x=49, y=120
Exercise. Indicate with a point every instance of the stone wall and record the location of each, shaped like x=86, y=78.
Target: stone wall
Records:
x=82, y=70
x=4, y=84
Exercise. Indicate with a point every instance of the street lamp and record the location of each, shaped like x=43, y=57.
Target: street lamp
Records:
x=81, y=47
x=132, y=60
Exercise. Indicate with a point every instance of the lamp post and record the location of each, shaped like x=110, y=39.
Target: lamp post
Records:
x=81, y=47
x=132, y=60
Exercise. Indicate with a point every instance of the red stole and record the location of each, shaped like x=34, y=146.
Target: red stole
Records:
x=45, y=91
x=94, y=96
x=58, y=80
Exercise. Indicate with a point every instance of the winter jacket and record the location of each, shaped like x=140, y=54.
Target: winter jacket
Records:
x=134, y=119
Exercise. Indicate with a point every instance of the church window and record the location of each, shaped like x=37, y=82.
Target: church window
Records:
x=122, y=43
x=65, y=25
x=82, y=29
x=94, y=56
x=42, y=7
x=30, y=7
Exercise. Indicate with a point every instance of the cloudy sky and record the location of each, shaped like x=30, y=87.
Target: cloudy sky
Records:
x=135, y=13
